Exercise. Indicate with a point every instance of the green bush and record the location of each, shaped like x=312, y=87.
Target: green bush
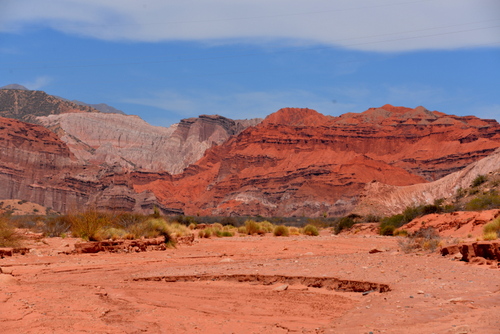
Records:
x=311, y=230
x=484, y=202
x=387, y=230
x=344, y=223
x=281, y=231
x=480, y=179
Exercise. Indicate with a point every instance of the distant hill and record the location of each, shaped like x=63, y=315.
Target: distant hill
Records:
x=14, y=86
x=27, y=105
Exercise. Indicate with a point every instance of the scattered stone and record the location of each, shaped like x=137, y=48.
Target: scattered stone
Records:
x=281, y=287
x=7, y=280
x=7, y=271
x=226, y=260
x=375, y=250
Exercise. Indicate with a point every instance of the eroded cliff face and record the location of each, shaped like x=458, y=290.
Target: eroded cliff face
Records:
x=35, y=165
x=299, y=162
x=130, y=142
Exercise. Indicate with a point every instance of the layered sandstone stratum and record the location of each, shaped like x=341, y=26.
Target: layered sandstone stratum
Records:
x=297, y=162
x=300, y=162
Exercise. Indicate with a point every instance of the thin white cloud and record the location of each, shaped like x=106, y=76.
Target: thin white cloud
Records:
x=38, y=83
x=385, y=25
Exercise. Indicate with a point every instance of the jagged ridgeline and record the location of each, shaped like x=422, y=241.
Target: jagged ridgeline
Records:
x=297, y=162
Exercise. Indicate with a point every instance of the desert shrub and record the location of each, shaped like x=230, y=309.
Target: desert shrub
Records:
x=294, y=230
x=8, y=236
x=490, y=236
x=206, y=232
x=242, y=230
x=252, y=227
x=389, y=224
x=281, y=231
x=484, y=202
x=87, y=224
x=400, y=233
x=491, y=228
x=372, y=219
x=192, y=226
x=424, y=239
x=217, y=226
x=267, y=226
x=344, y=223
x=478, y=180
x=387, y=230
x=126, y=219
x=222, y=233
x=153, y=228
x=178, y=230
x=111, y=233
x=311, y=230
x=156, y=212
x=56, y=226
x=32, y=222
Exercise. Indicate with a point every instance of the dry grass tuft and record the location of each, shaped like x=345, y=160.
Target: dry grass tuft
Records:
x=8, y=235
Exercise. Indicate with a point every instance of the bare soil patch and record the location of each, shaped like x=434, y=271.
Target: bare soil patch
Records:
x=247, y=285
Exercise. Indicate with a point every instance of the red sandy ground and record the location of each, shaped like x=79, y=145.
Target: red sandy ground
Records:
x=50, y=292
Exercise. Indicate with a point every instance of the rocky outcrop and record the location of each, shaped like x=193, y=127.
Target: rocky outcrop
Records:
x=455, y=224
x=27, y=105
x=130, y=142
x=298, y=162
x=382, y=199
x=488, y=250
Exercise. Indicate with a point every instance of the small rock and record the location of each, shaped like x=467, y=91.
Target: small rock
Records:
x=309, y=253
x=7, y=280
x=7, y=271
x=281, y=287
x=226, y=260
x=373, y=251
x=420, y=292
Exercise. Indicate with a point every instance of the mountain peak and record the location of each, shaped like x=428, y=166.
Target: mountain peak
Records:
x=296, y=117
x=14, y=86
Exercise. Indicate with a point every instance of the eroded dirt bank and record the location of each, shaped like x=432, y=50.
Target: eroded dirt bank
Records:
x=145, y=292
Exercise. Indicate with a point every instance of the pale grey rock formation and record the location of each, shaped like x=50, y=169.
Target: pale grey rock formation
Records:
x=130, y=142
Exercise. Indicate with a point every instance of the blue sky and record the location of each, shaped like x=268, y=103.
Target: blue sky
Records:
x=168, y=60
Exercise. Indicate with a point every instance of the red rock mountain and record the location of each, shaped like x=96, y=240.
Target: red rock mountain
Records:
x=296, y=162
x=35, y=165
x=299, y=162
x=116, y=139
